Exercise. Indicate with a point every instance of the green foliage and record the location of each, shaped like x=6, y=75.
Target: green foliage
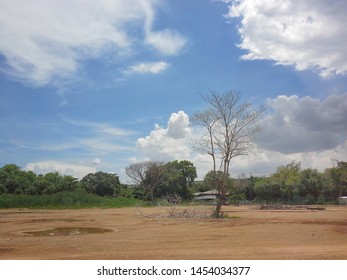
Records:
x=235, y=198
x=198, y=187
x=101, y=183
x=179, y=177
x=311, y=184
x=76, y=199
x=287, y=175
x=291, y=184
x=338, y=177
x=160, y=181
x=154, y=178
x=13, y=180
x=213, y=179
x=175, y=180
x=268, y=193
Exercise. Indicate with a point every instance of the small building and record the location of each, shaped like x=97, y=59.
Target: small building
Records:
x=206, y=196
x=343, y=199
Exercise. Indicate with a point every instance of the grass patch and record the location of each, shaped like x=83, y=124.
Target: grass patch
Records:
x=226, y=216
x=71, y=200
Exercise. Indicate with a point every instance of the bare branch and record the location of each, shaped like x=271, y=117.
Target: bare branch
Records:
x=231, y=128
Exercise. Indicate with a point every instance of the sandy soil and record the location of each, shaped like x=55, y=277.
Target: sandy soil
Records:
x=128, y=233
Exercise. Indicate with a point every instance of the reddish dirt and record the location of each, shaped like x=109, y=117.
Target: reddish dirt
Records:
x=248, y=233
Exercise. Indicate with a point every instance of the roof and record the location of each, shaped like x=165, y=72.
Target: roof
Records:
x=205, y=197
x=211, y=192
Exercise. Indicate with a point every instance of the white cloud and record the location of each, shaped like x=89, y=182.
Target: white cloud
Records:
x=45, y=41
x=78, y=170
x=178, y=125
x=167, y=144
x=307, y=34
x=167, y=42
x=149, y=67
x=304, y=124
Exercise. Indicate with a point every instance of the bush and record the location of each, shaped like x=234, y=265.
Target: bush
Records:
x=236, y=198
x=76, y=199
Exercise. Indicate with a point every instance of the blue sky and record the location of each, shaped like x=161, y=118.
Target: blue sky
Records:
x=98, y=85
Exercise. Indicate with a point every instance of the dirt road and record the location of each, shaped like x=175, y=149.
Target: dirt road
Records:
x=127, y=233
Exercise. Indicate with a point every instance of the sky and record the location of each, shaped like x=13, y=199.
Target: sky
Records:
x=96, y=85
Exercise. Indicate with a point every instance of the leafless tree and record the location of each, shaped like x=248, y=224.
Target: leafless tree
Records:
x=137, y=171
x=231, y=129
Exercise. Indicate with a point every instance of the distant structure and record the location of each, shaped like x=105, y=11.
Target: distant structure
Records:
x=206, y=196
x=343, y=199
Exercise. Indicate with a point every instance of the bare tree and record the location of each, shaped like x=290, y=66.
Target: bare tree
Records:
x=148, y=174
x=207, y=120
x=137, y=171
x=231, y=128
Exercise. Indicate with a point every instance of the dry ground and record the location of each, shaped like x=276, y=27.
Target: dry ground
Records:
x=251, y=233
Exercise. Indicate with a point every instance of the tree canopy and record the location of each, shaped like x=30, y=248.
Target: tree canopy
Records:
x=159, y=180
x=13, y=180
x=101, y=183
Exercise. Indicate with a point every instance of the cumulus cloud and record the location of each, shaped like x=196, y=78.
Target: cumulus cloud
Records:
x=307, y=34
x=178, y=125
x=304, y=124
x=149, y=67
x=44, y=41
x=166, y=144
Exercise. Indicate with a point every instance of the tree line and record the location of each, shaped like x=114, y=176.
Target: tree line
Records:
x=14, y=180
x=171, y=181
x=175, y=182
x=291, y=184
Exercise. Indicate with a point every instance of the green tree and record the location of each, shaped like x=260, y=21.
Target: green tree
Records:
x=154, y=178
x=249, y=190
x=213, y=179
x=198, y=186
x=179, y=177
x=267, y=192
x=53, y=182
x=67, y=184
x=31, y=177
x=287, y=178
x=338, y=177
x=38, y=186
x=101, y=183
x=311, y=184
x=13, y=179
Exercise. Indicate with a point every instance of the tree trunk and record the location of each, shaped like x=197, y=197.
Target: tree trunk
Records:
x=222, y=192
x=222, y=188
x=216, y=213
